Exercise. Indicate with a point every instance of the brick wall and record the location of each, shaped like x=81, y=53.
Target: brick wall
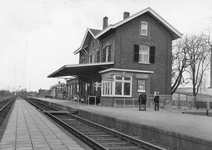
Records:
x=129, y=34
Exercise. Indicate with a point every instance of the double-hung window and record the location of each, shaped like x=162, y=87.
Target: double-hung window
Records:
x=91, y=57
x=144, y=28
x=107, y=54
x=143, y=54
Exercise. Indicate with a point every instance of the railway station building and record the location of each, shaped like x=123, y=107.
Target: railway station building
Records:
x=123, y=59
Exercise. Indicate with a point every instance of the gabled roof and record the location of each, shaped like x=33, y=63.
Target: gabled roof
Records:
x=88, y=32
x=176, y=33
x=94, y=32
x=97, y=33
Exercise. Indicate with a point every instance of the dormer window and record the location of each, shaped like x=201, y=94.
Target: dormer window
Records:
x=144, y=28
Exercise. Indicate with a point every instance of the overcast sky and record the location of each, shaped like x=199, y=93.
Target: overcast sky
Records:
x=37, y=37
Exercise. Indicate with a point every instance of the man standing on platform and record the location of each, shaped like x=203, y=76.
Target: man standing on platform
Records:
x=156, y=101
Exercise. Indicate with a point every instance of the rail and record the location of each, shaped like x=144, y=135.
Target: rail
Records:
x=97, y=136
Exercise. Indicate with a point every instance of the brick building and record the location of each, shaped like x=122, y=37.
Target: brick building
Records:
x=123, y=59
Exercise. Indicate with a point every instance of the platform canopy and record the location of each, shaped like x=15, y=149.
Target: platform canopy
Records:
x=83, y=70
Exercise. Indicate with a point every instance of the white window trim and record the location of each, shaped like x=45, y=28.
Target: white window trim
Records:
x=91, y=57
x=147, y=62
x=123, y=81
x=113, y=87
x=107, y=53
x=146, y=28
x=105, y=86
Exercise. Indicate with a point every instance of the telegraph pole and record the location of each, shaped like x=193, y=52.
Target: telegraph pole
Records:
x=211, y=69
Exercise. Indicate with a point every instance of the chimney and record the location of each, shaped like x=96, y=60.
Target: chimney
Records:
x=105, y=22
x=126, y=14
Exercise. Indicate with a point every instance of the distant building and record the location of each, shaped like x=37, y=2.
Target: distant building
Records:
x=43, y=93
x=58, y=91
x=123, y=59
x=189, y=91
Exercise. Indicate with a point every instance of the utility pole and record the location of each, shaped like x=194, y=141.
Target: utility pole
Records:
x=211, y=69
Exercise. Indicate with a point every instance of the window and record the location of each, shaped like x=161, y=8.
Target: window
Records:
x=91, y=58
x=144, y=28
x=121, y=86
x=107, y=54
x=97, y=55
x=107, y=87
x=144, y=54
x=83, y=60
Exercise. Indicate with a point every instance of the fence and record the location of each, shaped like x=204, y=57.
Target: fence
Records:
x=177, y=101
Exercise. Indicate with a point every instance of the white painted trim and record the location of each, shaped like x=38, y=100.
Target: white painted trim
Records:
x=136, y=15
x=89, y=64
x=83, y=41
x=114, y=88
x=126, y=70
x=80, y=65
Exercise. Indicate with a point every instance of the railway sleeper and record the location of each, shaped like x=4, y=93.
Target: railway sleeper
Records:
x=125, y=144
x=124, y=148
x=90, y=130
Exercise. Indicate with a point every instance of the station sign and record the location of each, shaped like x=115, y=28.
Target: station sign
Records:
x=141, y=76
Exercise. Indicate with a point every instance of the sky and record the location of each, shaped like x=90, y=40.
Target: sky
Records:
x=37, y=37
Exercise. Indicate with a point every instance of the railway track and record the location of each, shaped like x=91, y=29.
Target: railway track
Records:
x=96, y=136
x=5, y=106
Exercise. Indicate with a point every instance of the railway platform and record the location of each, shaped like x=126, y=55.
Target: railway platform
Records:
x=183, y=131
x=28, y=129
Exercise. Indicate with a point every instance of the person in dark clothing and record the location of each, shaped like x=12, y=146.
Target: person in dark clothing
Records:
x=142, y=101
x=156, y=101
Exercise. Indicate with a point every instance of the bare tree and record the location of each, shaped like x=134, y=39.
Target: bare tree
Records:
x=179, y=64
x=209, y=41
x=198, y=57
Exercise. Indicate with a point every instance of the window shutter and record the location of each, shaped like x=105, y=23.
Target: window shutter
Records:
x=109, y=53
x=152, y=55
x=136, y=53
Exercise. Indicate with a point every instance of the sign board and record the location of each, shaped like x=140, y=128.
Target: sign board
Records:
x=108, y=78
x=97, y=85
x=141, y=86
x=141, y=76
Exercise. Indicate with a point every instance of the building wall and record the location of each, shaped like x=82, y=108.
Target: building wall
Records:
x=93, y=46
x=129, y=34
x=109, y=100
x=110, y=40
x=43, y=93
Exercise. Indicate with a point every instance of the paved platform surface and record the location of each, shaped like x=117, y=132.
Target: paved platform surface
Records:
x=28, y=129
x=186, y=124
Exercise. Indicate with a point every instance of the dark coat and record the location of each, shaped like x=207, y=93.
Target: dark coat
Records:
x=142, y=99
x=156, y=99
